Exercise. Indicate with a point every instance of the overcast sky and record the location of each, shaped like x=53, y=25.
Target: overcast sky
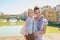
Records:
x=19, y=6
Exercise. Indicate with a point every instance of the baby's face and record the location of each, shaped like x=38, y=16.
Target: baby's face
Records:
x=31, y=13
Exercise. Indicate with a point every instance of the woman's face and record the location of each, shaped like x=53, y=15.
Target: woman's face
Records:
x=39, y=15
x=37, y=11
x=35, y=15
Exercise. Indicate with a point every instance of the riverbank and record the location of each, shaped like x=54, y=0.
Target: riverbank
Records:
x=12, y=23
x=15, y=30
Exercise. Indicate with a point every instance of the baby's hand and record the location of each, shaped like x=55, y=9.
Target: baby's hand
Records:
x=35, y=34
x=26, y=34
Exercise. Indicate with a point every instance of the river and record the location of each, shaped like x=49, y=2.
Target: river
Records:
x=10, y=31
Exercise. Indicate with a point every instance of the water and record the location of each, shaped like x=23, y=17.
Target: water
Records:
x=10, y=31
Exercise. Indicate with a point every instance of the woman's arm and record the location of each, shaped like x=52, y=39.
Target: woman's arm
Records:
x=44, y=30
x=45, y=23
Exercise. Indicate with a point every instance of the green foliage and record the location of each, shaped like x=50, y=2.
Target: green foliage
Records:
x=54, y=24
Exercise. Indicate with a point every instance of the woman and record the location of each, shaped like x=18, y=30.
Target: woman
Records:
x=41, y=24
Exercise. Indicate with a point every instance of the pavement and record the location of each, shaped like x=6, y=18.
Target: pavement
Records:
x=54, y=36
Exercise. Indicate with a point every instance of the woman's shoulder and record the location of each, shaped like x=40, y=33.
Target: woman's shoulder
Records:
x=45, y=21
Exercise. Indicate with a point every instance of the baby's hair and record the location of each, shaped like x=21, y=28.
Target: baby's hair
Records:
x=29, y=11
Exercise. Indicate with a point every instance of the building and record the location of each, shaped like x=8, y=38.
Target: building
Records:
x=49, y=13
x=57, y=8
x=58, y=17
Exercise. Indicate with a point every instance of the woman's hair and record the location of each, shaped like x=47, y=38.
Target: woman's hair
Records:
x=36, y=8
x=29, y=11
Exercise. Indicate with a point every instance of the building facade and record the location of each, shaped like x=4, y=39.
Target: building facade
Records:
x=57, y=8
x=49, y=14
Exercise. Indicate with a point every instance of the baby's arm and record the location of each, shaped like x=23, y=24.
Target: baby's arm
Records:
x=26, y=27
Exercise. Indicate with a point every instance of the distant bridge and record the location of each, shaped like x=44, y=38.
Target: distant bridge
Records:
x=8, y=17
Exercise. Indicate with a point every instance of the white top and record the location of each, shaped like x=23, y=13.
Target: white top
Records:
x=45, y=23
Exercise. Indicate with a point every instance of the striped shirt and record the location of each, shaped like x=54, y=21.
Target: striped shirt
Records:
x=40, y=23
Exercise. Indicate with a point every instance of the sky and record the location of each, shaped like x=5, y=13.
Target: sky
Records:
x=19, y=6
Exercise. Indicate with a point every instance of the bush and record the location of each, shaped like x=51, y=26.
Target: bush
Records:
x=53, y=24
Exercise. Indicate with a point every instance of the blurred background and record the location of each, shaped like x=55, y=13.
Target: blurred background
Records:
x=13, y=14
